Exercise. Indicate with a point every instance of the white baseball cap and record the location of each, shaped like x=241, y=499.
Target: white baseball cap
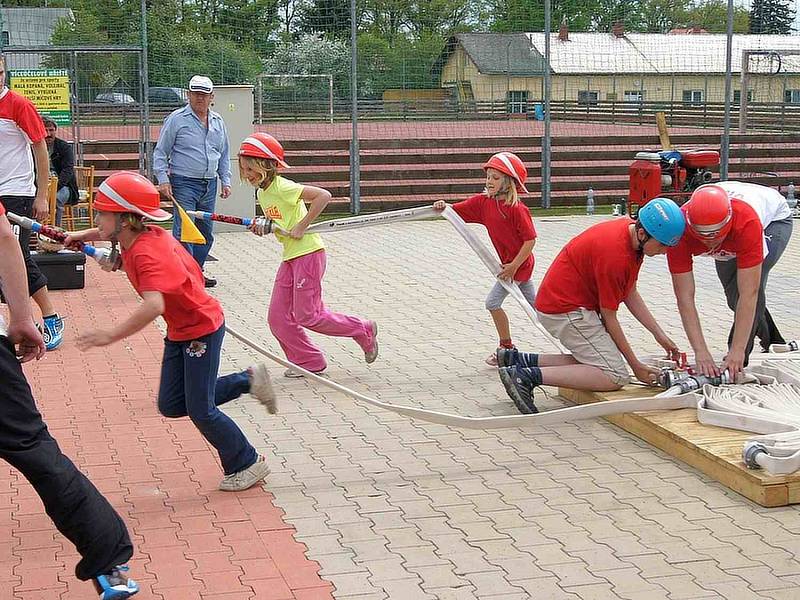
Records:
x=199, y=83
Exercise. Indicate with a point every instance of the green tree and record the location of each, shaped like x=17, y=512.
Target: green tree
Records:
x=659, y=16
x=771, y=16
x=520, y=16
x=405, y=63
x=330, y=17
x=713, y=17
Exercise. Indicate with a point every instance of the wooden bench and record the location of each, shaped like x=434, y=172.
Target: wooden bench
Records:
x=406, y=172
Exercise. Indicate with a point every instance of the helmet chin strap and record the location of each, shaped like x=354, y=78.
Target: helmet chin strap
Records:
x=637, y=228
x=117, y=228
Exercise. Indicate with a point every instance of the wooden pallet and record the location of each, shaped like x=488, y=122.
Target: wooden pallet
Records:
x=715, y=451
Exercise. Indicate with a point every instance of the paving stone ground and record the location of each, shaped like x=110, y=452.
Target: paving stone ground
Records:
x=388, y=507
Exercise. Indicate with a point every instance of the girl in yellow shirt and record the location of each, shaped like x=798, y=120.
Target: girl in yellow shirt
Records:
x=296, y=302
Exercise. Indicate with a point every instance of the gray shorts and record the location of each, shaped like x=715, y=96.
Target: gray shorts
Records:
x=584, y=335
x=494, y=301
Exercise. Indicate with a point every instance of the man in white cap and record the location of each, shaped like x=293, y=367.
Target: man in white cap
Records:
x=191, y=154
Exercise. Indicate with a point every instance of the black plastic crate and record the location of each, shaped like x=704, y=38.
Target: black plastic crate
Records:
x=64, y=270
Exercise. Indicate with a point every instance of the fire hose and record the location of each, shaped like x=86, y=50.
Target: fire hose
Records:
x=486, y=256
x=99, y=254
x=738, y=407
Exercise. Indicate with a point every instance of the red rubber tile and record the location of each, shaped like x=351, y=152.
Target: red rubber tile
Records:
x=192, y=541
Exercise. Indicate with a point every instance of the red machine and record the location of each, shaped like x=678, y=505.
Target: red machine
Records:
x=668, y=173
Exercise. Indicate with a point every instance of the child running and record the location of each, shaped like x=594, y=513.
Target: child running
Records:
x=578, y=301
x=170, y=283
x=296, y=302
x=511, y=230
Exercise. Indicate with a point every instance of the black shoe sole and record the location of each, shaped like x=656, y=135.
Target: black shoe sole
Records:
x=513, y=393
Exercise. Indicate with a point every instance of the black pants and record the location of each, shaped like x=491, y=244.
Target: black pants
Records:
x=23, y=206
x=76, y=507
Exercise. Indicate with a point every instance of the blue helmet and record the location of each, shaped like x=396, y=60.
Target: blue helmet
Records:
x=663, y=220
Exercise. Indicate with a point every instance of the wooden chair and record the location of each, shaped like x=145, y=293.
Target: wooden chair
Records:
x=52, y=190
x=85, y=178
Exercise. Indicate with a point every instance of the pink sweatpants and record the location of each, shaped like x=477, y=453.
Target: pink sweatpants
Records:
x=296, y=305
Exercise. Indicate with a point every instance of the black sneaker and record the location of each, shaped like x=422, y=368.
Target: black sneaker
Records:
x=519, y=386
x=210, y=282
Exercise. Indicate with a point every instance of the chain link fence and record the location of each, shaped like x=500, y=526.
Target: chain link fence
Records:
x=443, y=69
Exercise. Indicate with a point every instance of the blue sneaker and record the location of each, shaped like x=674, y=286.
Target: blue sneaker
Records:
x=115, y=585
x=520, y=382
x=53, y=332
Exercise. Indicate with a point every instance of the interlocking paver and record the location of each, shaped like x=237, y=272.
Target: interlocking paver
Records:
x=160, y=475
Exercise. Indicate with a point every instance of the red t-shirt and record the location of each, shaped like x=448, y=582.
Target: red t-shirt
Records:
x=744, y=243
x=596, y=269
x=508, y=226
x=20, y=126
x=156, y=262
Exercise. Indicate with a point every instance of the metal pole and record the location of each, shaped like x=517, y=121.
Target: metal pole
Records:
x=547, y=91
x=73, y=64
x=355, y=167
x=260, y=92
x=145, y=79
x=726, y=128
x=330, y=96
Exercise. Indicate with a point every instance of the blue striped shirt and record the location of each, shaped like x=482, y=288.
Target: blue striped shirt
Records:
x=186, y=147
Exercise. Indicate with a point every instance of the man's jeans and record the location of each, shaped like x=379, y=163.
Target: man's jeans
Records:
x=190, y=387
x=62, y=197
x=195, y=194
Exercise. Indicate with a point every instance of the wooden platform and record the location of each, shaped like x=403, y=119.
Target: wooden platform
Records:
x=715, y=451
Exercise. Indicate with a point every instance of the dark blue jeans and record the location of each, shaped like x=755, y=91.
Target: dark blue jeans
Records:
x=195, y=194
x=190, y=387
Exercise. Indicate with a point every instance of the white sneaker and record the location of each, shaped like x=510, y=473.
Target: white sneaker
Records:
x=246, y=478
x=371, y=355
x=261, y=387
x=292, y=374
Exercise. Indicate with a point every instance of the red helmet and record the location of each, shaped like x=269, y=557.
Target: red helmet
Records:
x=510, y=164
x=128, y=192
x=708, y=213
x=263, y=145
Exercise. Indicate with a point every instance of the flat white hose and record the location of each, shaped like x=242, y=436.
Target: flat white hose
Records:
x=663, y=401
x=772, y=409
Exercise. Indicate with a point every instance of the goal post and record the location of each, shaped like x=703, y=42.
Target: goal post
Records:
x=762, y=61
x=288, y=81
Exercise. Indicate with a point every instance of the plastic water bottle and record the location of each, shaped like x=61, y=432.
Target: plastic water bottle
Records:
x=790, y=198
x=590, y=202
